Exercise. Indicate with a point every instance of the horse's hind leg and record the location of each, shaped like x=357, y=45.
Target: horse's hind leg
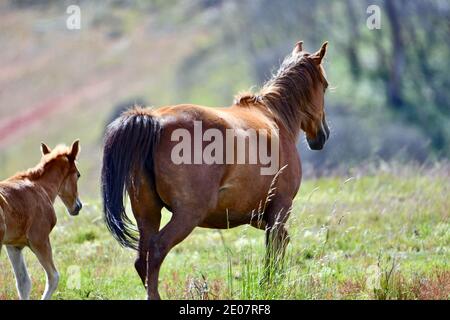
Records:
x=43, y=252
x=178, y=228
x=23, y=281
x=146, y=207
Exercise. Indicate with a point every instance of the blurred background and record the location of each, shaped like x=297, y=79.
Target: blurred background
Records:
x=389, y=97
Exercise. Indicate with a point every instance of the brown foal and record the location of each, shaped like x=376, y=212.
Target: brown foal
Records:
x=138, y=159
x=27, y=215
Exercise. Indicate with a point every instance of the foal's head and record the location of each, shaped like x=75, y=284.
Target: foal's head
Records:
x=64, y=158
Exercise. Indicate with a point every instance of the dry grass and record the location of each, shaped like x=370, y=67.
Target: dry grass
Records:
x=350, y=289
x=434, y=287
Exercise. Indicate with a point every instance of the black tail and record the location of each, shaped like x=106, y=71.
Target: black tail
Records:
x=129, y=145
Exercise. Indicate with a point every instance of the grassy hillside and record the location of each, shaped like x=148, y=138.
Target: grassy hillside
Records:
x=381, y=233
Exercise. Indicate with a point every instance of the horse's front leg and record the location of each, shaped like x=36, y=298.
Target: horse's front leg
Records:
x=277, y=237
x=277, y=240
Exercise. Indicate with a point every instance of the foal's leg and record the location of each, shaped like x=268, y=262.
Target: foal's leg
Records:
x=43, y=252
x=23, y=282
x=179, y=227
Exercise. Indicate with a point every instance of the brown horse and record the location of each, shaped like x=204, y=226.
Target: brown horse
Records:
x=27, y=215
x=138, y=158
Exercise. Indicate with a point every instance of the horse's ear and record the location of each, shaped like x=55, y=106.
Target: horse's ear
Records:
x=318, y=56
x=45, y=149
x=298, y=47
x=75, y=149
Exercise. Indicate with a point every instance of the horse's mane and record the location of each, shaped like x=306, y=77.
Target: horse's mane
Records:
x=287, y=95
x=37, y=171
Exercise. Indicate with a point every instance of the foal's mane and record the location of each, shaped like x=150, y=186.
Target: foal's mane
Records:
x=37, y=171
x=287, y=95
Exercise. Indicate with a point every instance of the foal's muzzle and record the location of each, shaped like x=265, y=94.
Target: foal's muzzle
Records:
x=77, y=209
x=322, y=136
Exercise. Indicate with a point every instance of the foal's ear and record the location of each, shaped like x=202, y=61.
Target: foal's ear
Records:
x=75, y=149
x=318, y=56
x=298, y=47
x=45, y=149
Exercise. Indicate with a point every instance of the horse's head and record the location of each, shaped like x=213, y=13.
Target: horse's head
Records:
x=314, y=125
x=68, y=191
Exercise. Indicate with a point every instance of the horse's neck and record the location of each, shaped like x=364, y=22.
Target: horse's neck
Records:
x=51, y=181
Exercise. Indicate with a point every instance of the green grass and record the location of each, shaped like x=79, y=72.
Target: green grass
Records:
x=383, y=234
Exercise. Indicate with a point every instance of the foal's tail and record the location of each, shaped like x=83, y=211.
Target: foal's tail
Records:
x=128, y=148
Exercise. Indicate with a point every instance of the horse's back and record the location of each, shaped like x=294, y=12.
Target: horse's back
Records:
x=220, y=118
